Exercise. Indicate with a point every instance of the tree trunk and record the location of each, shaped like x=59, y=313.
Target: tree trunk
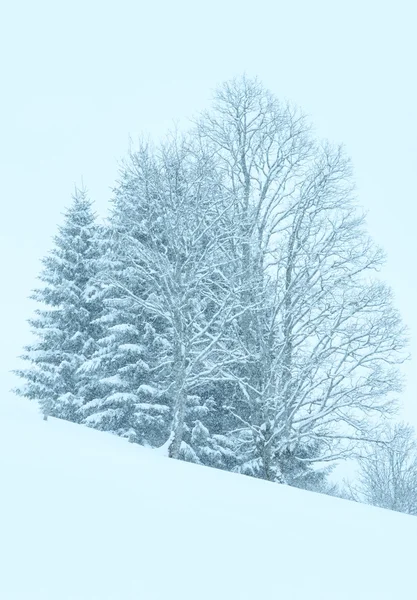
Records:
x=180, y=396
x=177, y=430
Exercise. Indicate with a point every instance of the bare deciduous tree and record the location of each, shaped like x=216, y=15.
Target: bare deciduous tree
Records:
x=388, y=472
x=174, y=201
x=316, y=350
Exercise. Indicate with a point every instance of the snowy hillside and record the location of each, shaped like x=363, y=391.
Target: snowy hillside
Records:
x=88, y=516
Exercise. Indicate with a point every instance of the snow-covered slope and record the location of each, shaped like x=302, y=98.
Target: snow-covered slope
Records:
x=87, y=516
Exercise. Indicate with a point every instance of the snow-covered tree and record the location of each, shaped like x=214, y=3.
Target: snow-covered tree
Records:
x=124, y=401
x=388, y=471
x=233, y=310
x=169, y=200
x=65, y=328
x=314, y=354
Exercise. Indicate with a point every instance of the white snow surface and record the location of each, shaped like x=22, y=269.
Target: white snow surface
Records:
x=88, y=516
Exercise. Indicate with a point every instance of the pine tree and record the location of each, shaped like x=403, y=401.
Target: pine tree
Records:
x=126, y=401
x=66, y=328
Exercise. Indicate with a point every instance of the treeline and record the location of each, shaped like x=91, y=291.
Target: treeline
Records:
x=229, y=310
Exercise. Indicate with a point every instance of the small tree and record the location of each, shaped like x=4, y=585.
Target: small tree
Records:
x=388, y=472
x=66, y=330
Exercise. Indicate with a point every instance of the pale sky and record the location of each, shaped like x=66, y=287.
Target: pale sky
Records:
x=78, y=78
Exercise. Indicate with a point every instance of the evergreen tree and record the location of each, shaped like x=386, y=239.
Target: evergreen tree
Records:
x=126, y=401
x=66, y=329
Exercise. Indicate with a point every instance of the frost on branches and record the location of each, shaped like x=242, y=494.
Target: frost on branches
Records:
x=169, y=221
x=315, y=353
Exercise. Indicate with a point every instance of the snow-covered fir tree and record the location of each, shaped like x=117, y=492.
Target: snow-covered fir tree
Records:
x=65, y=328
x=126, y=401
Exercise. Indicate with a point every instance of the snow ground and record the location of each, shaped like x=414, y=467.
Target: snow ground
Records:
x=88, y=516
